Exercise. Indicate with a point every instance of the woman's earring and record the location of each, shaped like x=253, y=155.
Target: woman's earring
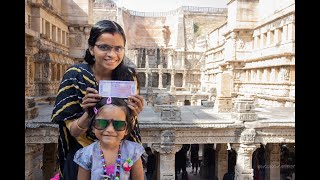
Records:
x=94, y=59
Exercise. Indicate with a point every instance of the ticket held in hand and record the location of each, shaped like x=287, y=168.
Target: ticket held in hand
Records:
x=120, y=89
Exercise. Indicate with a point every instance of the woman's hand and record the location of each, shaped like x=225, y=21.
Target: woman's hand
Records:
x=136, y=104
x=90, y=99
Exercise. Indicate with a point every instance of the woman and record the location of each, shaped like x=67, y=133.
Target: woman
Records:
x=78, y=93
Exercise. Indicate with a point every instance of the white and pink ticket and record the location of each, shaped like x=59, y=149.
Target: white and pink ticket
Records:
x=120, y=89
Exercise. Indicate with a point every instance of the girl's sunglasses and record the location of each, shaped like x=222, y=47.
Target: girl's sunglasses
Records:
x=118, y=125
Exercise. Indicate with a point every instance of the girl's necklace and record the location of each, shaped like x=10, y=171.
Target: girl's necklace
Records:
x=116, y=175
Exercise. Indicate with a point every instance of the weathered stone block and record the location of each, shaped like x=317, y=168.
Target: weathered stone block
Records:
x=170, y=113
x=208, y=103
x=31, y=113
x=29, y=102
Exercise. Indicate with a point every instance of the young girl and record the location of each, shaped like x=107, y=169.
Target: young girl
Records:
x=111, y=156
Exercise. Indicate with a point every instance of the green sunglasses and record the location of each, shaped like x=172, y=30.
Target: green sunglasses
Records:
x=102, y=124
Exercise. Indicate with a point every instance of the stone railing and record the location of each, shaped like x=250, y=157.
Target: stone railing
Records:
x=191, y=9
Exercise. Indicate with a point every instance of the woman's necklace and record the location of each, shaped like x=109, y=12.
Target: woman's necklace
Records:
x=116, y=175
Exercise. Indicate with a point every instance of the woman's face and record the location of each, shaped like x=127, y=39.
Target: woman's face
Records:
x=109, y=135
x=108, y=50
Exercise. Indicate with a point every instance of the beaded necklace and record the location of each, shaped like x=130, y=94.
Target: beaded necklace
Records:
x=116, y=175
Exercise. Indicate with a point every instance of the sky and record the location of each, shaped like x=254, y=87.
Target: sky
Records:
x=167, y=5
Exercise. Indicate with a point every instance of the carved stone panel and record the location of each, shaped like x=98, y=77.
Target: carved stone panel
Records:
x=247, y=136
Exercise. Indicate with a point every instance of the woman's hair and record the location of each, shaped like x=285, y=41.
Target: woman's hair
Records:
x=119, y=102
x=121, y=72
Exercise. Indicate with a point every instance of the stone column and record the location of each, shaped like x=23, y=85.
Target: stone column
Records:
x=147, y=60
x=147, y=79
x=184, y=78
x=27, y=68
x=167, y=150
x=272, y=166
x=284, y=33
x=29, y=150
x=258, y=77
x=183, y=57
x=223, y=102
x=221, y=163
x=160, y=67
x=136, y=58
x=243, y=169
x=230, y=46
x=291, y=33
x=49, y=159
x=172, y=86
x=50, y=72
x=268, y=39
x=276, y=36
x=170, y=59
x=255, y=42
x=261, y=41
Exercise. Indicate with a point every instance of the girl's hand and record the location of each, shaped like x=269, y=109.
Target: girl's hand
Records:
x=136, y=104
x=90, y=99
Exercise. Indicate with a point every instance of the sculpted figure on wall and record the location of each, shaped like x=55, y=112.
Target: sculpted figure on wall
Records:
x=166, y=35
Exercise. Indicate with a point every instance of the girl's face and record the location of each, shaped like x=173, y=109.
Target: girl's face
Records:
x=109, y=135
x=108, y=50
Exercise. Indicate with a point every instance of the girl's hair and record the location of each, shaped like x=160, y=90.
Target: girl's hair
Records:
x=120, y=102
x=121, y=72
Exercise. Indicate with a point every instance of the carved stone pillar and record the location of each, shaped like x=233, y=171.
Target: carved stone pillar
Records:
x=167, y=150
x=221, y=160
x=272, y=166
x=243, y=169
